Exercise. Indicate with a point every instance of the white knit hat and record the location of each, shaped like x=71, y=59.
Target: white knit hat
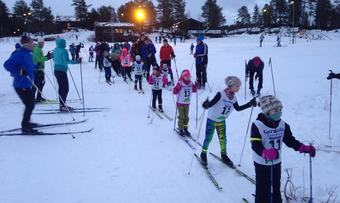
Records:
x=40, y=39
x=268, y=103
x=232, y=81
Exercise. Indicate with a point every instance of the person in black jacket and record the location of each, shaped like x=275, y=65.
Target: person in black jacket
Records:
x=333, y=76
x=255, y=65
x=268, y=133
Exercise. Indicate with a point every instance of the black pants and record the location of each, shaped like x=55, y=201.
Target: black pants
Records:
x=107, y=73
x=157, y=95
x=116, y=66
x=91, y=57
x=99, y=62
x=201, y=74
x=147, y=67
x=73, y=55
x=126, y=72
x=251, y=79
x=77, y=56
x=39, y=81
x=168, y=62
x=63, y=86
x=26, y=96
x=138, y=78
x=263, y=183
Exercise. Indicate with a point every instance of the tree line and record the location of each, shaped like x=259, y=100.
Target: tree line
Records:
x=36, y=17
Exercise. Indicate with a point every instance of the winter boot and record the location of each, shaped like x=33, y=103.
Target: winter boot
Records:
x=160, y=108
x=181, y=132
x=226, y=160
x=204, y=158
x=186, y=132
x=28, y=130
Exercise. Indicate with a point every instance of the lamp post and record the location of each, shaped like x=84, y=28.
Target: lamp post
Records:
x=292, y=3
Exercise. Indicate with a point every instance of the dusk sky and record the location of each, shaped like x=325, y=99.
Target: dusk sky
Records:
x=230, y=7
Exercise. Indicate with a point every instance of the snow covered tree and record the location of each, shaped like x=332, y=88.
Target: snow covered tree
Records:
x=106, y=14
x=243, y=15
x=80, y=9
x=256, y=19
x=322, y=13
x=212, y=14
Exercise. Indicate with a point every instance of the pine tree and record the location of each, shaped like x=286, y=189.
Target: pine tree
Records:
x=42, y=17
x=243, y=15
x=179, y=10
x=212, y=14
x=4, y=20
x=256, y=19
x=280, y=11
x=80, y=8
x=22, y=16
x=165, y=13
x=92, y=16
x=322, y=13
x=106, y=14
x=267, y=15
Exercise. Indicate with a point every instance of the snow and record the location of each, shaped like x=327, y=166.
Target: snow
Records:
x=130, y=158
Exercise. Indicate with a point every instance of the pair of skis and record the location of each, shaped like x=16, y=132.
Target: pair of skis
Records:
x=13, y=132
x=73, y=110
x=160, y=114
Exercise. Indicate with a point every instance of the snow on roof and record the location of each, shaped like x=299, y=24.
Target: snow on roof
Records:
x=112, y=24
x=65, y=18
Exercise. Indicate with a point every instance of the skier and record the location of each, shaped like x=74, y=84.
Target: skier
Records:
x=72, y=50
x=91, y=53
x=192, y=46
x=255, y=65
x=20, y=65
x=201, y=55
x=157, y=80
x=184, y=89
x=175, y=40
x=165, y=72
x=333, y=75
x=148, y=56
x=138, y=68
x=61, y=61
x=278, y=40
x=39, y=61
x=107, y=66
x=98, y=56
x=115, y=55
x=166, y=54
x=267, y=134
x=126, y=63
x=220, y=107
x=77, y=50
x=261, y=39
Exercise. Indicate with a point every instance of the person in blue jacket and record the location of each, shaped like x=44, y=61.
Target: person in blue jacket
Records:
x=20, y=65
x=201, y=56
x=61, y=61
x=148, y=56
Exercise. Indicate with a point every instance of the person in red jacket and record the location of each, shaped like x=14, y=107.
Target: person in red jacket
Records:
x=166, y=54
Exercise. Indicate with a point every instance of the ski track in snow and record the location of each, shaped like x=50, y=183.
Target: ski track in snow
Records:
x=130, y=158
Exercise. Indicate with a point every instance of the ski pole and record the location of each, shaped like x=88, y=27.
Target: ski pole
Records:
x=54, y=82
x=176, y=69
x=173, y=97
x=150, y=106
x=74, y=83
x=271, y=68
x=209, y=87
x=196, y=108
x=245, y=137
x=197, y=140
x=271, y=181
x=245, y=81
x=192, y=65
x=311, y=179
x=61, y=99
x=64, y=124
x=330, y=109
x=82, y=87
x=100, y=74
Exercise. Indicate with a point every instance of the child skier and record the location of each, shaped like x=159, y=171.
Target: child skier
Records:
x=138, y=67
x=126, y=62
x=184, y=89
x=157, y=80
x=107, y=66
x=192, y=46
x=165, y=72
x=267, y=134
x=220, y=107
x=91, y=53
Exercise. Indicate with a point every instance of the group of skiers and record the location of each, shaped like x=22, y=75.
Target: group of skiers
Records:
x=268, y=131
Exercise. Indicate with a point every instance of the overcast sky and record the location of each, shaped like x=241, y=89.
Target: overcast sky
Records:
x=64, y=8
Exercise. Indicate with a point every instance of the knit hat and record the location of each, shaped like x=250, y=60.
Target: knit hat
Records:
x=185, y=74
x=40, y=40
x=257, y=61
x=232, y=81
x=200, y=38
x=268, y=103
x=25, y=40
x=17, y=46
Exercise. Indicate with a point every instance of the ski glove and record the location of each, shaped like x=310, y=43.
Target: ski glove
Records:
x=270, y=154
x=23, y=73
x=205, y=104
x=253, y=102
x=307, y=149
x=49, y=55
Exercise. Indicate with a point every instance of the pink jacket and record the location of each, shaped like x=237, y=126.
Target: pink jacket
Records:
x=151, y=80
x=125, y=59
x=178, y=88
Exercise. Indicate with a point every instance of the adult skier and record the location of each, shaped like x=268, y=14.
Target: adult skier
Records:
x=201, y=55
x=220, y=107
x=39, y=60
x=20, y=65
x=268, y=133
x=148, y=55
x=255, y=65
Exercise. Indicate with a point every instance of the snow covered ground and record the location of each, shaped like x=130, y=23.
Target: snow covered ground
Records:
x=130, y=158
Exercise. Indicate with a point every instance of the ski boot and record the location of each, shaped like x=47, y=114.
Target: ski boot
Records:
x=186, y=132
x=252, y=92
x=65, y=108
x=136, y=88
x=153, y=108
x=258, y=92
x=180, y=132
x=160, y=108
x=27, y=130
x=226, y=160
x=204, y=158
